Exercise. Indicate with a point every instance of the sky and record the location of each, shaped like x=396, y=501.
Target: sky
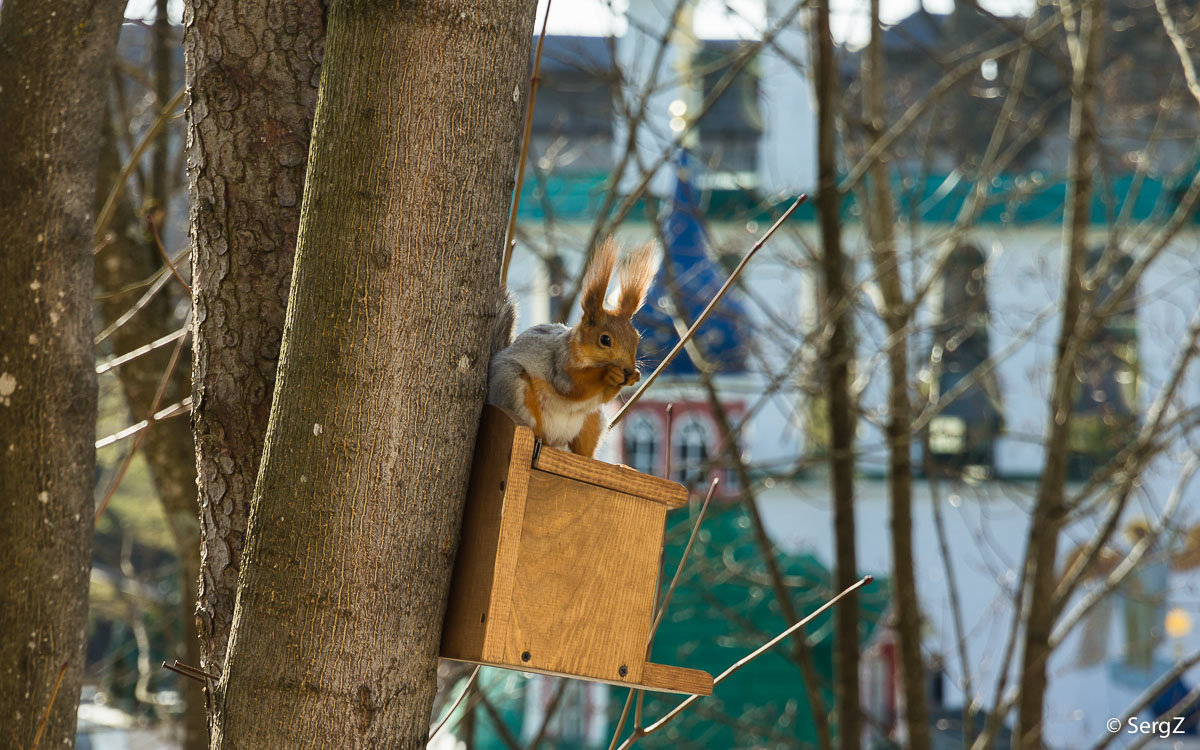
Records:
x=714, y=19
x=722, y=19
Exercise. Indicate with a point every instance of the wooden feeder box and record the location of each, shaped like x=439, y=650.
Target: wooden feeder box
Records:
x=558, y=566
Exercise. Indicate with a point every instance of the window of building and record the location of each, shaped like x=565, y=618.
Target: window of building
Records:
x=692, y=443
x=730, y=130
x=580, y=719
x=643, y=448
x=572, y=129
x=1107, y=373
x=960, y=439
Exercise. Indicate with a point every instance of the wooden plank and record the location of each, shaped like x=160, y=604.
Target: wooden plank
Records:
x=668, y=679
x=584, y=580
x=465, y=625
x=695, y=682
x=618, y=478
x=509, y=526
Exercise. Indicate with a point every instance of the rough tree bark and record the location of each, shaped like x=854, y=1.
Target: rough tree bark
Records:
x=54, y=63
x=169, y=451
x=252, y=70
x=1049, y=509
x=382, y=376
x=839, y=351
x=895, y=313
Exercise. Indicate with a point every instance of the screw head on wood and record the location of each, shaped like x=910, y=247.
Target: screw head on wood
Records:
x=624, y=670
x=525, y=656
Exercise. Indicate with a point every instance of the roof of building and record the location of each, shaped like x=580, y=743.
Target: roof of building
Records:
x=689, y=279
x=1016, y=200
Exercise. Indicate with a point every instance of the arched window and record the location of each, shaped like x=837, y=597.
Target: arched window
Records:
x=692, y=442
x=643, y=445
x=961, y=437
x=1106, y=373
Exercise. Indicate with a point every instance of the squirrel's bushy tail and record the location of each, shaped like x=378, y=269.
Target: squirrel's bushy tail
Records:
x=504, y=325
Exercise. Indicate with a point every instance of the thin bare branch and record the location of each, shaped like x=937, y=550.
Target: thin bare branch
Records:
x=510, y=234
x=114, y=362
x=705, y=312
x=683, y=705
x=465, y=689
x=1147, y=697
x=174, y=410
x=110, y=203
x=687, y=550
x=162, y=387
x=162, y=251
x=159, y=282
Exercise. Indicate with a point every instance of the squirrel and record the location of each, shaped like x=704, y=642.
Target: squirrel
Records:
x=555, y=379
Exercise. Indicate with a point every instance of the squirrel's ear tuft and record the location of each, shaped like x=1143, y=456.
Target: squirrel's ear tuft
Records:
x=637, y=273
x=595, y=282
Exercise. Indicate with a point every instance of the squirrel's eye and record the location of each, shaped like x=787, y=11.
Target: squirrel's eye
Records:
x=605, y=340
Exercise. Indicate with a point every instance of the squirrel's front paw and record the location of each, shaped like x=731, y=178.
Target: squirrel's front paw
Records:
x=633, y=377
x=614, y=375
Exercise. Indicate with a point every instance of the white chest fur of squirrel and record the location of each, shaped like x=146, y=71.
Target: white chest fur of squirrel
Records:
x=555, y=379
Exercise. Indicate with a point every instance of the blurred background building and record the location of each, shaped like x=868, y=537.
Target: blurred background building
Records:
x=699, y=145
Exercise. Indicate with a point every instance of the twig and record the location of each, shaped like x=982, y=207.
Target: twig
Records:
x=114, y=362
x=466, y=689
x=510, y=234
x=1179, y=710
x=801, y=655
x=183, y=672
x=901, y=125
x=192, y=673
x=609, y=218
x=160, y=280
x=636, y=116
x=162, y=387
x=687, y=550
x=660, y=608
x=174, y=410
x=162, y=251
x=110, y=203
x=667, y=442
x=670, y=715
x=551, y=709
x=195, y=671
x=1073, y=618
x=706, y=311
x=666, y=599
x=621, y=720
x=46, y=714
x=960, y=632
x=502, y=729
x=1148, y=696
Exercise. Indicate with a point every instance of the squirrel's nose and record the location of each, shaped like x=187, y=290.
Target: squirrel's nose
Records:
x=629, y=373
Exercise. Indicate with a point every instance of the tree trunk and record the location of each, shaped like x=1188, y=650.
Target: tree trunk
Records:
x=252, y=69
x=899, y=421
x=357, y=508
x=54, y=64
x=838, y=354
x=1049, y=509
x=169, y=450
